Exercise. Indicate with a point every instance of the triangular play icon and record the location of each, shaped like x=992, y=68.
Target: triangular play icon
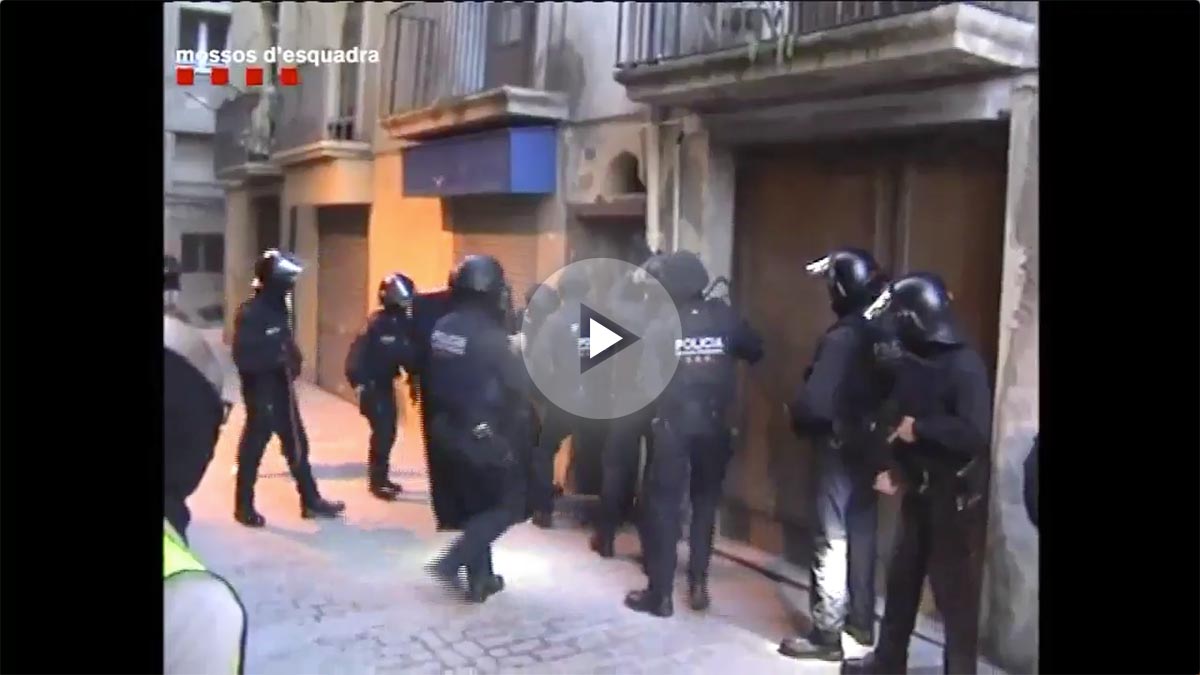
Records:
x=605, y=337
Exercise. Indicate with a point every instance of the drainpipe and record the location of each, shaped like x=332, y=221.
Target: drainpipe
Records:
x=653, y=185
x=678, y=136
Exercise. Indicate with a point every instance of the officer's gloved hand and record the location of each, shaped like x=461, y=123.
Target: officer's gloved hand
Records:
x=889, y=353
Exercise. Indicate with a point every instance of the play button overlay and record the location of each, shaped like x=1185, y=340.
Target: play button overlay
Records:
x=608, y=349
x=604, y=338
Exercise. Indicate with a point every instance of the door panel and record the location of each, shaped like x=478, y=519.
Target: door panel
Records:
x=510, y=31
x=953, y=224
x=342, y=289
x=791, y=209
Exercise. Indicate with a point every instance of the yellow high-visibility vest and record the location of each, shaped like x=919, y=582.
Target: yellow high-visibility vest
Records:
x=177, y=559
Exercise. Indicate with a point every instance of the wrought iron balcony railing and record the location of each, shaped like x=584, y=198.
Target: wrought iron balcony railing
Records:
x=242, y=131
x=315, y=110
x=440, y=51
x=657, y=32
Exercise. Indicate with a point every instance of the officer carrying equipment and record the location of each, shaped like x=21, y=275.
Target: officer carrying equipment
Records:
x=561, y=345
x=691, y=436
x=204, y=622
x=831, y=398
x=376, y=357
x=942, y=397
x=619, y=498
x=479, y=450
x=268, y=362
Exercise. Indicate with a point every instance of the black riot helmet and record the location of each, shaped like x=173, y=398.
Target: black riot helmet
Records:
x=396, y=292
x=853, y=277
x=574, y=283
x=919, y=308
x=195, y=405
x=276, y=271
x=480, y=278
x=540, y=302
x=684, y=276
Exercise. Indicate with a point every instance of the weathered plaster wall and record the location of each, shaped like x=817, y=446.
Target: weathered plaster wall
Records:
x=1010, y=619
x=706, y=172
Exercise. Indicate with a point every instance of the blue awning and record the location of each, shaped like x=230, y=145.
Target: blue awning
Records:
x=514, y=160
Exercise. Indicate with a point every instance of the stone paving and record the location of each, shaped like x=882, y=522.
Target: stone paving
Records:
x=349, y=596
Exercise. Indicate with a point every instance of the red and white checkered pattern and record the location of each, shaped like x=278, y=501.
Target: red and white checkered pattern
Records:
x=186, y=76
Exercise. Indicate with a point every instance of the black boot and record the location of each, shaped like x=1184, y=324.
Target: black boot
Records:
x=602, y=544
x=863, y=636
x=813, y=646
x=698, y=594
x=482, y=590
x=383, y=488
x=320, y=508
x=445, y=576
x=243, y=510
x=650, y=603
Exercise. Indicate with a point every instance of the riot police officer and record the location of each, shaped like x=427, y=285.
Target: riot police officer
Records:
x=558, y=347
x=620, y=458
x=268, y=362
x=842, y=594
x=472, y=380
x=692, y=441
x=378, y=354
x=940, y=419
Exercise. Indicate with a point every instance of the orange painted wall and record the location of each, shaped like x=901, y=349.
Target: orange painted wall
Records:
x=405, y=235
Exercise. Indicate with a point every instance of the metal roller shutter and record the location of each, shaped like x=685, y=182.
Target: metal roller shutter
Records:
x=501, y=226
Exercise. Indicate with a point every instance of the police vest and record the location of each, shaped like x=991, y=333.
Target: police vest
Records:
x=703, y=348
x=177, y=559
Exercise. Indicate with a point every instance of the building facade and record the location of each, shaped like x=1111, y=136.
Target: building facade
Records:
x=759, y=134
x=905, y=128
x=193, y=202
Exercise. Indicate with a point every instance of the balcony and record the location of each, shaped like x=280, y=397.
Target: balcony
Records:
x=451, y=68
x=242, y=139
x=317, y=119
x=714, y=55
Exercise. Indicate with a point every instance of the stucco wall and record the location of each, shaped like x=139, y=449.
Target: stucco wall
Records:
x=1010, y=621
x=576, y=52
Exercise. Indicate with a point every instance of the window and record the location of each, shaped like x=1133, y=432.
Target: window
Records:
x=203, y=253
x=200, y=33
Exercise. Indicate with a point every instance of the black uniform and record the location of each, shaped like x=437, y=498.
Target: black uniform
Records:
x=692, y=440
x=472, y=379
x=382, y=350
x=619, y=462
x=832, y=398
x=559, y=346
x=268, y=361
x=942, y=385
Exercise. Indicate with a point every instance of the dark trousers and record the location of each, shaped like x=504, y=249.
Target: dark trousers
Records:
x=473, y=548
x=937, y=540
x=378, y=405
x=556, y=426
x=843, y=567
x=681, y=461
x=271, y=409
x=620, y=470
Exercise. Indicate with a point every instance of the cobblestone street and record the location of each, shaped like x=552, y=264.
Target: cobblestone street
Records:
x=349, y=596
